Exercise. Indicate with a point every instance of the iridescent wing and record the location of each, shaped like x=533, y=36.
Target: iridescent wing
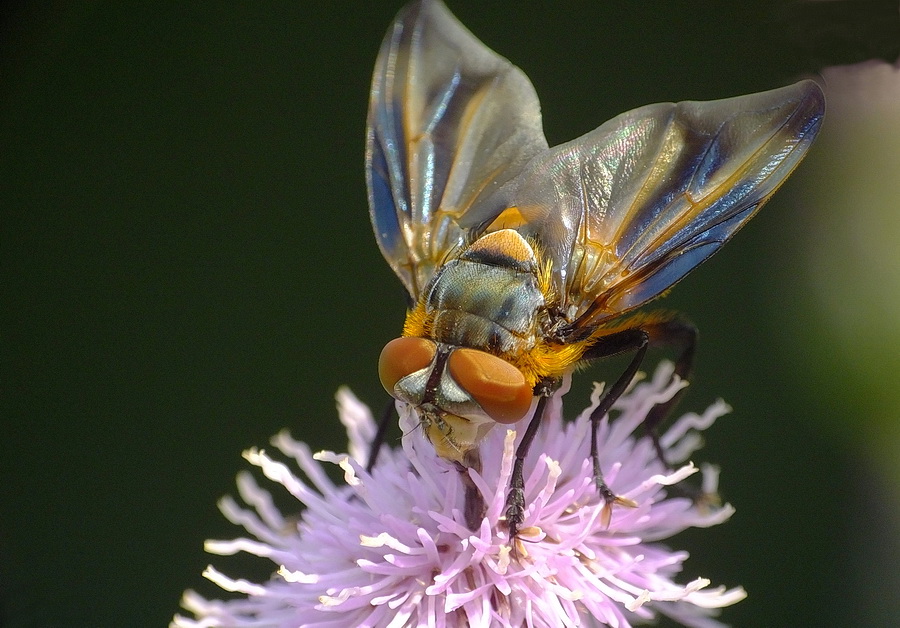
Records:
x=449, y=123
x=628, y=209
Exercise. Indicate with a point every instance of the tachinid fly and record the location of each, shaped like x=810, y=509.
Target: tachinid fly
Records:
x=523, y=261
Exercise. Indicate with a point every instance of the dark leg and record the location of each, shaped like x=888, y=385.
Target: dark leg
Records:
x=515, y=499
x=637, y=340
x=378, y=441
x=612, y=344
x=678, y=333
x=655, y=330
x=474, y=506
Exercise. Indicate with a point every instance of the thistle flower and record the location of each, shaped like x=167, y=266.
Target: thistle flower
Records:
x=391, y=548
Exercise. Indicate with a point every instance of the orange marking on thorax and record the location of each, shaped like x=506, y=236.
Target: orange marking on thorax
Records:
x=509, y=218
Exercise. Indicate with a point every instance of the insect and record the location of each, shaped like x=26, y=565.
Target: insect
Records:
x=522, y=262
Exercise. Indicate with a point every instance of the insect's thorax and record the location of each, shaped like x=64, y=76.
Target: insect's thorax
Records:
x=483, y=306
x=490, y=298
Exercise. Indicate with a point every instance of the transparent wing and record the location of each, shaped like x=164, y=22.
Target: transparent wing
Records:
x=627, y=210
x=449, y=122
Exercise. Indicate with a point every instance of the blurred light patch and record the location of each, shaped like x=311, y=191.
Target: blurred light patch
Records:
x=854, y=242
x=851, y=232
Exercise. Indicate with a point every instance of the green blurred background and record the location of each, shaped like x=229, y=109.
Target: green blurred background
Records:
x=188, y=267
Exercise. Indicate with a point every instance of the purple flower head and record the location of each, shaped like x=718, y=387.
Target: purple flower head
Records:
x=391, y=548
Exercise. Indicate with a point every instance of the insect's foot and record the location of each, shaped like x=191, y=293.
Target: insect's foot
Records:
x=704, y=500
x=707, y=502
x=610, y=499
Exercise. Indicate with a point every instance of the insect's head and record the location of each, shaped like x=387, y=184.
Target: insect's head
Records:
x=459, y=393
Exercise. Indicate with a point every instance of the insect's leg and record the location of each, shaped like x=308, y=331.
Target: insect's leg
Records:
x=474, y=506
x=670, y=332
x=515, y=499
x=634, y=339
x=378, y=441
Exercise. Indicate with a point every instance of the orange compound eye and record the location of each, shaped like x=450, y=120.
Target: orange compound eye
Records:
x=498, y=387
x=402, y=356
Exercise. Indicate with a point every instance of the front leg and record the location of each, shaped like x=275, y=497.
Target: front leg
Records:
x=515, y=498
x=474, y=507
x=378, y=441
